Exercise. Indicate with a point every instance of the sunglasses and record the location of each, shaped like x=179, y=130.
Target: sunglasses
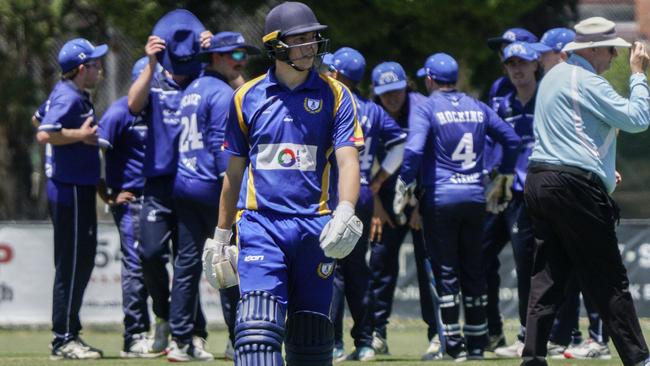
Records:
x=238, y=55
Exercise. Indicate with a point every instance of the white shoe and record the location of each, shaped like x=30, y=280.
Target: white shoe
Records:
x=229, y=353
x=140, y=347
x=194, y=351
x=555, y=351
x=75, y=350
x=379, y=344
x=338, y=354
x=589, y=349
x=512, y=351
x=363, y=354
x=432, y=350
x=160, y=336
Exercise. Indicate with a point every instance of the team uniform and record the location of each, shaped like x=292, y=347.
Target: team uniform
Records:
x=289, y=137
x=511, y=225
x=197, y=187
x=123, y=135
x=38, y=115
x=384, y=256
x=71, y=196
x=447, y=134
x=352, y=272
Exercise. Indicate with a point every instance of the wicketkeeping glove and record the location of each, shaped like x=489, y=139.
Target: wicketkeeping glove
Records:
x=341, y=233
x=498, y=193
x=403, y=195
x=220, y=260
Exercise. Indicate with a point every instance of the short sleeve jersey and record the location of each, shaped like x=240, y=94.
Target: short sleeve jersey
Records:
x=124, y=136
x=289, y=138
x=68, y=107
x=203, y=112
x=39, y=115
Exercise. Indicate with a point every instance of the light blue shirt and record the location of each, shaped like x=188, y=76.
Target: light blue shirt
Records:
x=578, y=115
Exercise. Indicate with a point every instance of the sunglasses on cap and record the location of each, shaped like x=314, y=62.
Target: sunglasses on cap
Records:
x=238, y=55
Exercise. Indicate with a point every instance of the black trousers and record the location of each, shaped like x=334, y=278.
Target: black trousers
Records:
x=574, y=222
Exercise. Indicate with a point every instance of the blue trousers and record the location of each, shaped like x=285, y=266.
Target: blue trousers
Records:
x=351, y=283
x=74, y=218
x=134, y=291
x=384, y=268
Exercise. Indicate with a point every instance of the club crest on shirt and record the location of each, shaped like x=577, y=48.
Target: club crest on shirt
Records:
x=313, y=105
x=325, y=270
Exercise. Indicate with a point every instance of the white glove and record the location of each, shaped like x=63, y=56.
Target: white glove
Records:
x=498, y=193
x=342, y=232
x=220, y=260
x=403, y=195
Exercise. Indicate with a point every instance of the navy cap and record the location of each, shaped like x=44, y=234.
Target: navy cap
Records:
x=291, y=18
x=512, y=35
x=78, y=51
x=228, y=41
x=522, y=50
x=348, y=62
x=388, y=76
x=181, y=31
x=554, y=40
x=440, y=67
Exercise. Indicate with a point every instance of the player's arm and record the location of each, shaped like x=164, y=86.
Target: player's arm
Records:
x=347, y=159
x=393, y=140
x=230, y=192
x=506, y=136
x=54, y=129
x=139, y=91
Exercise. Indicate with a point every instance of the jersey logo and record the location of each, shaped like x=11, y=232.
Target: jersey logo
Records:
x=325, y=270
x=286, y=157
x=388, y=77
x=313, y=105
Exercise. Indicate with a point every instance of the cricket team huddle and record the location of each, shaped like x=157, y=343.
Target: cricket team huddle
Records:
x=276, y=188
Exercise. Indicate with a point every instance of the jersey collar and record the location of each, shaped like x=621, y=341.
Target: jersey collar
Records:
x=311, y=83
x=578, y=60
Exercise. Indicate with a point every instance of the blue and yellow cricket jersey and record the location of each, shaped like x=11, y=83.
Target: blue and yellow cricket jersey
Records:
x=289, y=137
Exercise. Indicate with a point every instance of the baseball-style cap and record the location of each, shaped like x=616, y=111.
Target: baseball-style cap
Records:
x=554, y=40
x=511, y=35
x=228, y=41
x=78, y=51
x=388, y=76
x=521, y=50
x=440, y=67
x=181, y=31
x=139, y=65
x=348, y=62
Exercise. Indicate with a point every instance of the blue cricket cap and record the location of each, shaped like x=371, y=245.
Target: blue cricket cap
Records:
x=181, y=31
x=348, y=62
x=522, y=50
x=139, y=65
x=388, y=76
x=78, y=51
x=440, y=67
x=554, y=40
x=228, y=41
x=511, y=35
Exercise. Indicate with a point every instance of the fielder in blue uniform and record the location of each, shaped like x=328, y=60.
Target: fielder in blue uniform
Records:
x=352, y=273
x=508, y=221
x=68, y=127
x=286, y=131
x=445, y=144
x=175, y=44
x=122, y=137
x=390, y=86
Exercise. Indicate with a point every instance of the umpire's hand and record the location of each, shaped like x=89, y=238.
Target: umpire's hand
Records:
x=639, y=57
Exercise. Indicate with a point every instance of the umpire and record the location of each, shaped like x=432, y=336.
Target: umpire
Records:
x=571, y=175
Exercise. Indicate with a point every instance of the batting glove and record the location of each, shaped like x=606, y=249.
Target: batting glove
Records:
x=403, y=195
x=498, y=193
x=220, y=260
x=341, y=233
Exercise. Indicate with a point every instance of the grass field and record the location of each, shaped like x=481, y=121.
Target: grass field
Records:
x=406, y=339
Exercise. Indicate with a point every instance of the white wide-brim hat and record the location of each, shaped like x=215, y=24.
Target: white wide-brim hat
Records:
x=595, y=32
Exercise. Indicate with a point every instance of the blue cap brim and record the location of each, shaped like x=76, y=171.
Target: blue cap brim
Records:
x=252, y=50
x=379, y=90
x=99, y=51
x=527, y=58
x=421, y=73
x=328, y=59
x=540, y=47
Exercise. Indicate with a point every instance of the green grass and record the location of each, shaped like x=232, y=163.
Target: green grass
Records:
x=406, y=339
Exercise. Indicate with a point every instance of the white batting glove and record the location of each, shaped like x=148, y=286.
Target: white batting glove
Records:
x=220, y=260
x=341, y=233
x=403, y=195
x=498, y=193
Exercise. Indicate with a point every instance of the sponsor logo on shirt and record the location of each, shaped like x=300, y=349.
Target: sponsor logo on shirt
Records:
x=286, y=157
x=253, y=258
x=313, y=105
x=325, y=270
